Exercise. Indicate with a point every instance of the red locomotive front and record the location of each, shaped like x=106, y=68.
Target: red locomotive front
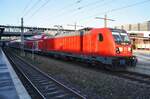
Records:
x=123, y=43
x=109, y=46
x=113, y=47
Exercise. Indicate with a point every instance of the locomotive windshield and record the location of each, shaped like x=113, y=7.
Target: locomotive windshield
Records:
x=125, y=37
x=120, y=36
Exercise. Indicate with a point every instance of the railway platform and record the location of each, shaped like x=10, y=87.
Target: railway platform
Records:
x=10, y=85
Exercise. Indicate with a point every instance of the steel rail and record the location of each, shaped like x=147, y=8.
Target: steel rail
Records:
x=13, y=62
x=27, y=66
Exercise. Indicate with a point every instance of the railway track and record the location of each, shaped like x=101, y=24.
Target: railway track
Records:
x=135, y=76
x=46, y=86
x=132, y=76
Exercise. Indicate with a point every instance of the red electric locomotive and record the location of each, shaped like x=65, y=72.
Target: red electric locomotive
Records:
x=99, y=45
x=104, y=45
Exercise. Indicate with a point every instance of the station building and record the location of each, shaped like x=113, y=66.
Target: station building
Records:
x=139, y=34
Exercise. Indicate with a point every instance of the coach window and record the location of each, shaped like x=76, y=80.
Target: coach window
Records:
x=100, y=37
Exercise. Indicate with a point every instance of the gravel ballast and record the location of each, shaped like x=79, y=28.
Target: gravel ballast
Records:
x=90, y=82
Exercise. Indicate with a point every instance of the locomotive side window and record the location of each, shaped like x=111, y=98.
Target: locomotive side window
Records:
x=100, y=37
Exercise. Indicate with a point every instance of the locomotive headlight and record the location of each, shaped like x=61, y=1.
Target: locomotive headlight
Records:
x=129, y=49
x=120, y=49
x=117, y=50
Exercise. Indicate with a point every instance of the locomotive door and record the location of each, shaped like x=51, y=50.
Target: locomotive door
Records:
x=94, y=44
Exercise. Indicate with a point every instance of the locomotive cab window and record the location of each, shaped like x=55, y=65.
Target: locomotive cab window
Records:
x=100, y=37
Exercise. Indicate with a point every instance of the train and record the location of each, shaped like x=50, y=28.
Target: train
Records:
x=107, y=46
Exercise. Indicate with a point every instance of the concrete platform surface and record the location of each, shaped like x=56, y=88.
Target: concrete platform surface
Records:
x=10, y=85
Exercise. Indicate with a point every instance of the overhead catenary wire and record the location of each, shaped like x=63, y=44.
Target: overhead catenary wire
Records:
x=63, y=9
x=76, y=2
x=98, y=6
x=130, y=5
x=89, y=4
x=37, y=10
x=102, y=4
x=77, y=9
x=24, y=10
x=79, y=1
x=68, y=6
x=112, y=10
x=27, y=5
x=117, y=9
x=86, y=6
x=32, y=7
x=93, y=4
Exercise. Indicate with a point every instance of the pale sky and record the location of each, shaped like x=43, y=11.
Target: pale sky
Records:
x=47, y=13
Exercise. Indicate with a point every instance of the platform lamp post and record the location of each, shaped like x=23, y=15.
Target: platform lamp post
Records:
x=22, y=38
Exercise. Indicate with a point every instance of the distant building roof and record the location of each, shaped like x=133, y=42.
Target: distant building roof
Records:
x=145, y=26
